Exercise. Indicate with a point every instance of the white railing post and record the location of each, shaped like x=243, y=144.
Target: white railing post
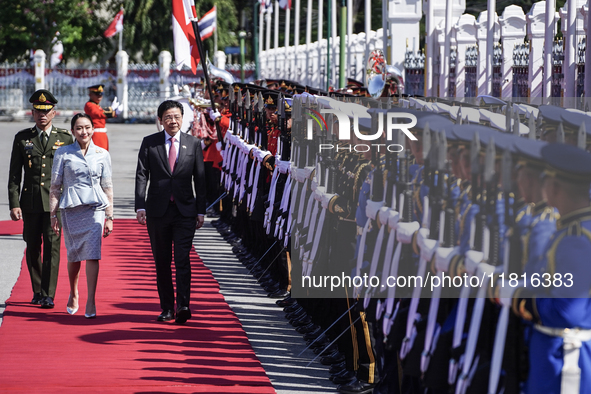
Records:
x=40, y=59
x=164, y=60
x=122, y=62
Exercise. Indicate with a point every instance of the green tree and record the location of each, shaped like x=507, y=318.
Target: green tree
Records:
x=32, y=24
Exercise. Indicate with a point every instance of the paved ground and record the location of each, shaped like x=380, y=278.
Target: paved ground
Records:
x=275, y=342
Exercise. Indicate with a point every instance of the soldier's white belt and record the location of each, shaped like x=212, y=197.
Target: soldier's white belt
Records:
x=100, y=130
x=573, y=339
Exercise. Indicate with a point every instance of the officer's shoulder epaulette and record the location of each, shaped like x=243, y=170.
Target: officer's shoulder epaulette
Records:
x=24, y=132
x=60, y=130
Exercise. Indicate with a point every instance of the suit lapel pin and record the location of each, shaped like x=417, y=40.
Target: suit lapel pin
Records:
x=184, y=147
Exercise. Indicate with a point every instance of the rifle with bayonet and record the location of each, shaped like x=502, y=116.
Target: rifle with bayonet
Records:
x=475, y=244
x=490, y=252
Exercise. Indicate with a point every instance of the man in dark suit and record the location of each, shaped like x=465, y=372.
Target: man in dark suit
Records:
x=32, y=151
x=172, y=162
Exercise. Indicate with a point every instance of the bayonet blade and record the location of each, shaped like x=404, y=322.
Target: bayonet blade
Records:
x=506, y=169
x=402, y=143
x=582, y=136
x=427, y=142
x=532, y=127
x=239, y=97
x=489, y=161
x=508, y=118
x=442, y=154
x=516, y=124
x=247, y=99
x=560, y=134
x=232, y=97
x=475, y=155
x=459, y=118
x=261, y=104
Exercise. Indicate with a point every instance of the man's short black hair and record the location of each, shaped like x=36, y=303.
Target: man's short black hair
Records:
x=168, y=104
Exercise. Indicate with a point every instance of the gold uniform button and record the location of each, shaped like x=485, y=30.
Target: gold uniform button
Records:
x=42, y=174
x=42, y=165
x=25, y=189
x=43, y=157
x=42, y=184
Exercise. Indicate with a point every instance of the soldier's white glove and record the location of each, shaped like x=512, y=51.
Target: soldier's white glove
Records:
x=116, y=106
x=428, y=249
x=213, y=115
x=218, y=146
x=422, y=235
x=372, y=208
x=506, y=292
x=471, y=260
x=405, y=231
x=393, y=219
x=443, y=257
x=326, y=197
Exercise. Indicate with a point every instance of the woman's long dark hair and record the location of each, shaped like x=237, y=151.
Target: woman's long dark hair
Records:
x=78, y=116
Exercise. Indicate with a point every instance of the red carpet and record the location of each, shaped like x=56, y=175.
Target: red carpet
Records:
x=10, y=227
x=124, y=349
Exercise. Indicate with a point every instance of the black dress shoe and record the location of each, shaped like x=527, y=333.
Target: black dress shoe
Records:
x=182, y=315
x=47, y=302
x=291, y=308
x=356, y=387
x=313, y=334
x=296, y=316
x=302, y=322
x=166, y=316
x=306, y=329
x=279, y=294
x=286, y=302
x=344, y=377
x=37, y=297
x=333, y=358
x=334, y=368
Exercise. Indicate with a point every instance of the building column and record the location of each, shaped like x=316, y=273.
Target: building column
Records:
x=535, y=32
x=403, y=19
x=465, y=31
x=512, y=32
x=481, y=35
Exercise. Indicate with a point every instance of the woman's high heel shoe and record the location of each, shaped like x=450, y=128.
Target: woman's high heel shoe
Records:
x=90, y=315
x=71, y=311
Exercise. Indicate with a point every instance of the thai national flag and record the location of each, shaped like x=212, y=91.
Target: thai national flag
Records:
x=285, y=4
x=208, y=24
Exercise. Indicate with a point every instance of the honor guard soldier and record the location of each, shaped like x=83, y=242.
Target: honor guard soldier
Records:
x=33, y=151
x=560, y=345
x=99, y=115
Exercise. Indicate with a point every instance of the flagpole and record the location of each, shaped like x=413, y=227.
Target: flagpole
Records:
x=215, y=31
x=121, y=34
x=195, y=24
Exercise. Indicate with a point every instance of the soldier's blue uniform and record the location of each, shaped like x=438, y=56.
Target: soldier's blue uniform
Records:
x=564, y=308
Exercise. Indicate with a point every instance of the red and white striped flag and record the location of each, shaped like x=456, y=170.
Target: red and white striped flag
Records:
x=116, y=26
x=208, y=23
x=285, y=4
x=185, y=45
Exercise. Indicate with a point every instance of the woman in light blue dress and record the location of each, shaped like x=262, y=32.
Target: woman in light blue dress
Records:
x=82, y=188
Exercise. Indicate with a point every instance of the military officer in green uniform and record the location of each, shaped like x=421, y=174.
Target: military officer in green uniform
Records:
x=33, y=151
